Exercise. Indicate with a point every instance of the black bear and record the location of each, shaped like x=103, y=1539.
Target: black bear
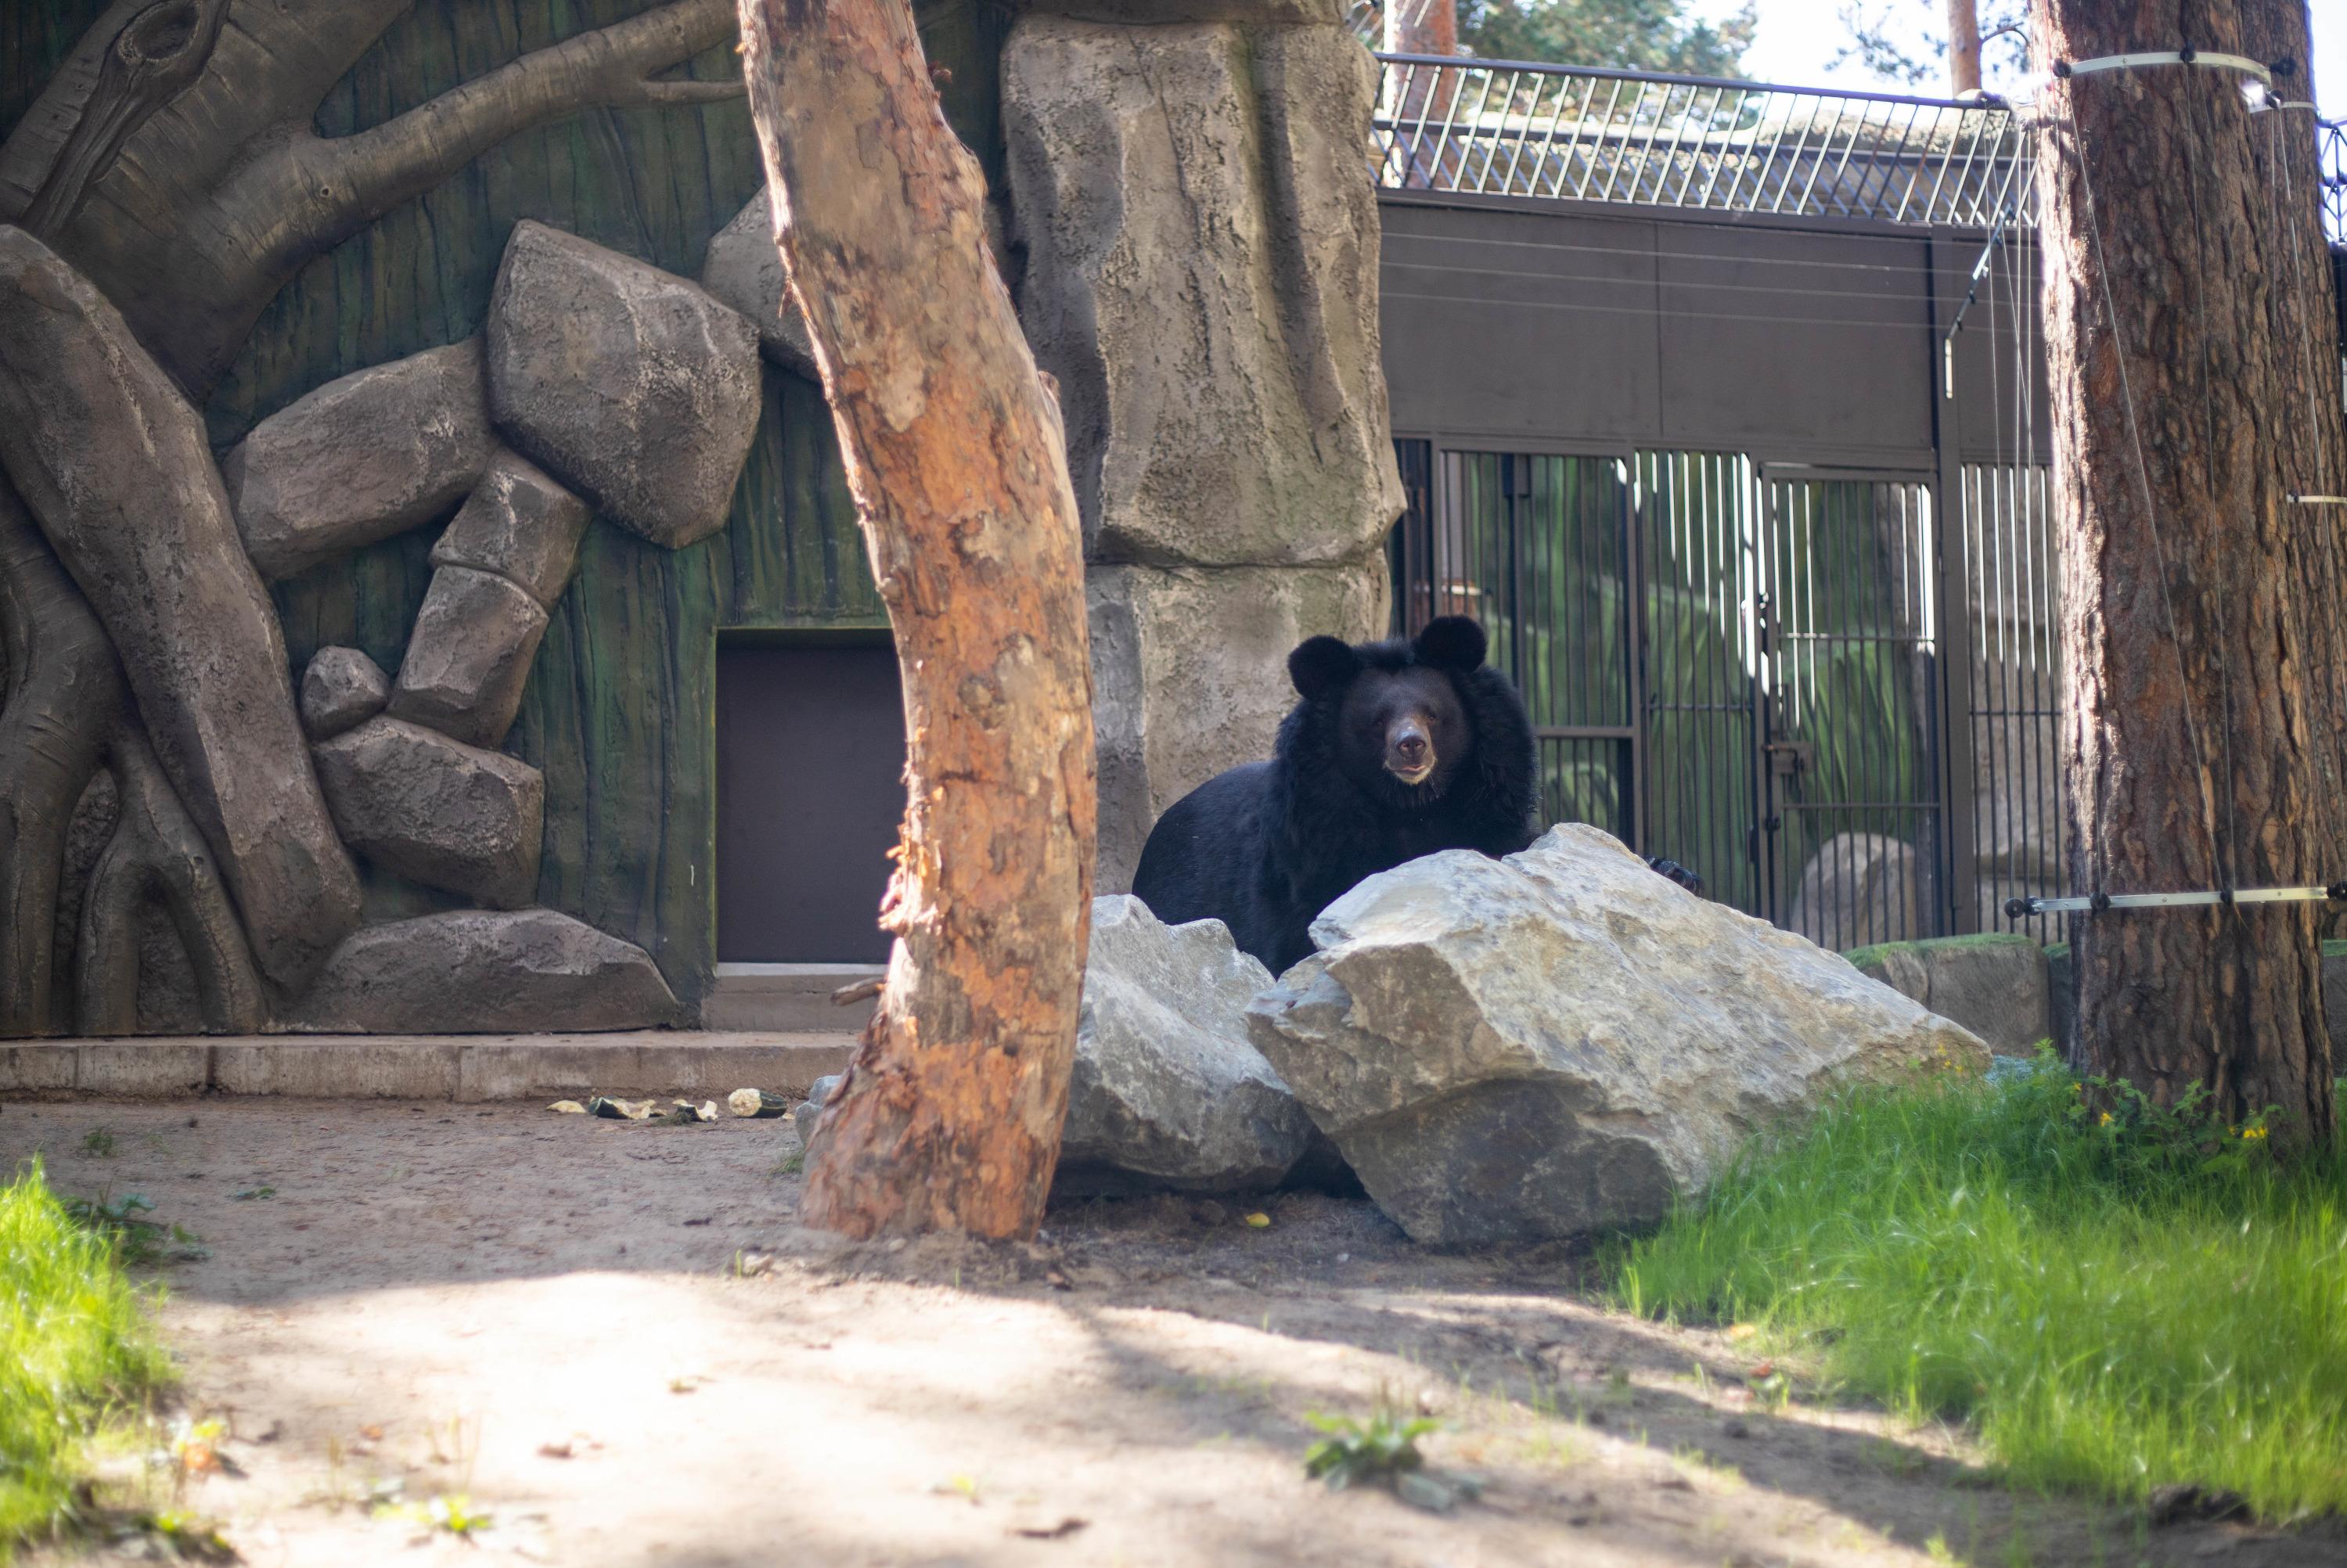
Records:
x=1397, y=750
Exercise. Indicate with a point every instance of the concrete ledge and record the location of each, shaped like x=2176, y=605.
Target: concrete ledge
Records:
x=786, y=998
x=426, y=1067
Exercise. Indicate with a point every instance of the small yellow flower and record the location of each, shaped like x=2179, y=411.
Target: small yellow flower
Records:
x=2106, y=1120
x=2253, y=1132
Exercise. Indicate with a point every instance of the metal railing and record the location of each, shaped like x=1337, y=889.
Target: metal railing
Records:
x=2331, y=141
x=1504, y=127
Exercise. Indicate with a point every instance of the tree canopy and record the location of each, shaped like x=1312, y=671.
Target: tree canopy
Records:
x=1644, y=34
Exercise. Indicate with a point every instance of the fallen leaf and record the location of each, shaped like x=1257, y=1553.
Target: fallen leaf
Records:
x=568, y=1108
x=1259, y=1221
x=555, y=1450
x=1742, y=1330
x=371, y=1434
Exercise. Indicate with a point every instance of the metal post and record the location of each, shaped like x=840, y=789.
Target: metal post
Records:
x=1960, y=903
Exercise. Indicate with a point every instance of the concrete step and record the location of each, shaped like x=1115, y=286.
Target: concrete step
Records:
x=467, y=1068
x=787, y=998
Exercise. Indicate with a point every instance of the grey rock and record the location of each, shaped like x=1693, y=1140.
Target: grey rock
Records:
x=437, y=810
x=469, y=656
x=1190, y=676
x=341, y=690
x=1995, y=984
x=1523, y=1049
x=371, y=454
x=113, y=463
x=1201, y=277
x=635, y=388
x=1859, y=889
x=520, y=524
x=746, y=272
x=1166, y=1091
x=480, y=972
x=820, y=1092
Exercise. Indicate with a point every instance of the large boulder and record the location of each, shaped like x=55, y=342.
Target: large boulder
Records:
x=1166, y=1091
x=113, y=461
x=371, y=454
x=475, y=972
x=518, y=523
x=1996, y=984
x=1160, y=13
x=1523, y=1049
x=437, y=810
x=469, y=656
x=745, y=270
x=1201, y=242
x=341, y=690
x=1190, y=676
x=634, y=387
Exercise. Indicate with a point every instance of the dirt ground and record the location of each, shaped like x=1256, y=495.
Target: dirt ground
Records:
x=573, y=1322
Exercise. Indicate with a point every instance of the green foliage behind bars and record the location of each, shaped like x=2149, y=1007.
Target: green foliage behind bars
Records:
x=619, y=709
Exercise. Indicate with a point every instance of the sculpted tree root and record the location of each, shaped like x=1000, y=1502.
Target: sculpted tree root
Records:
x=157, y=854
x=59, y=689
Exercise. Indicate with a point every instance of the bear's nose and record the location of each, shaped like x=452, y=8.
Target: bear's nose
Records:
x=1411, y=747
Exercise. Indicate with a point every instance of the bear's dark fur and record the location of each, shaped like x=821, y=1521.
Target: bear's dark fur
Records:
x=1264, y=847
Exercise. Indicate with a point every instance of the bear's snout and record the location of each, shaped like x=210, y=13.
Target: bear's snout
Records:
x=1409, y=750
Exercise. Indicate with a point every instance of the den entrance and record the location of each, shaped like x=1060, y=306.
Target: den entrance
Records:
x=810, y=788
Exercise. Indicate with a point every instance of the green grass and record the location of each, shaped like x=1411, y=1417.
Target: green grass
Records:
x=2113, y=1301
x=75, y=1348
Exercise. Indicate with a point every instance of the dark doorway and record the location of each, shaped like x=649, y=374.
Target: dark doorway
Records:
x=810, y=788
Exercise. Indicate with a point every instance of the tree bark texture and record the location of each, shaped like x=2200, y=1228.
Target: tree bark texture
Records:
x=217, y=197
x=2194, y=392
x=949, y=1116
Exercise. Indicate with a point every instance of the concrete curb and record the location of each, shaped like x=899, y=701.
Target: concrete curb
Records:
x=461, y=1068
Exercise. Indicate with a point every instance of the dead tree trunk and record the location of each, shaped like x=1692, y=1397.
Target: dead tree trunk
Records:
x=1964, y=46
x=949, y=1118
x=2199, y=751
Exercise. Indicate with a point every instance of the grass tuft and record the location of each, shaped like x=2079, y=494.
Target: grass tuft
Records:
x=75, y=1348
x=2116, y=1296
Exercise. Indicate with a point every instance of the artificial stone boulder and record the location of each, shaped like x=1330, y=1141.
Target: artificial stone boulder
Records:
x=745, y=270
x=437, y=810
x=475, y=972
x=518, y=523
x=1190, y=676
x=1861, y=888
x=1200, y=275
x=1996, y=984
x=371, y=454
x=1525, y=1048
x=469, y=656
x=1166, y=1091
x=634, y=387
x=114, y=464
x=341, y=690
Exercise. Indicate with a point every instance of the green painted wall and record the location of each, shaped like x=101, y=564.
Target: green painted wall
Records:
x=619, y=708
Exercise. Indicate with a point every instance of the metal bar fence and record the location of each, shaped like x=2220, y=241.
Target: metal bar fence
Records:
x=1505, y=128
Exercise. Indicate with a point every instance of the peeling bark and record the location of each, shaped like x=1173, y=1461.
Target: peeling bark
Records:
x=2198, y=745
x=225, y=192
x=949, y=1117
x=156, y=854
x=61, y=689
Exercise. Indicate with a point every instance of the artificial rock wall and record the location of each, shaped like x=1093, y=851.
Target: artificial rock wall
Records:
x=1191, y=206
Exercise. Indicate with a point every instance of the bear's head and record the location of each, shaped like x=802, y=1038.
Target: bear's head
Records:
x=1403, y=730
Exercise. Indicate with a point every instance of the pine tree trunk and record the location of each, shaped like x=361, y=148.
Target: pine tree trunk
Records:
x=949, y=1117
x=2201, y=741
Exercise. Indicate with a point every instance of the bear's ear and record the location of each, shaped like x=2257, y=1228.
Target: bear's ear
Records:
x=1450, y=643
x=1320, y=662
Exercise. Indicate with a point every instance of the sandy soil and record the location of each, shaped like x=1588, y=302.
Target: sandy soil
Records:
x=547, y=1313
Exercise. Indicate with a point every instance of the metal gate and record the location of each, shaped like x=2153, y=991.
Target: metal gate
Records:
x=1735, y=666
x=1853, y=823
